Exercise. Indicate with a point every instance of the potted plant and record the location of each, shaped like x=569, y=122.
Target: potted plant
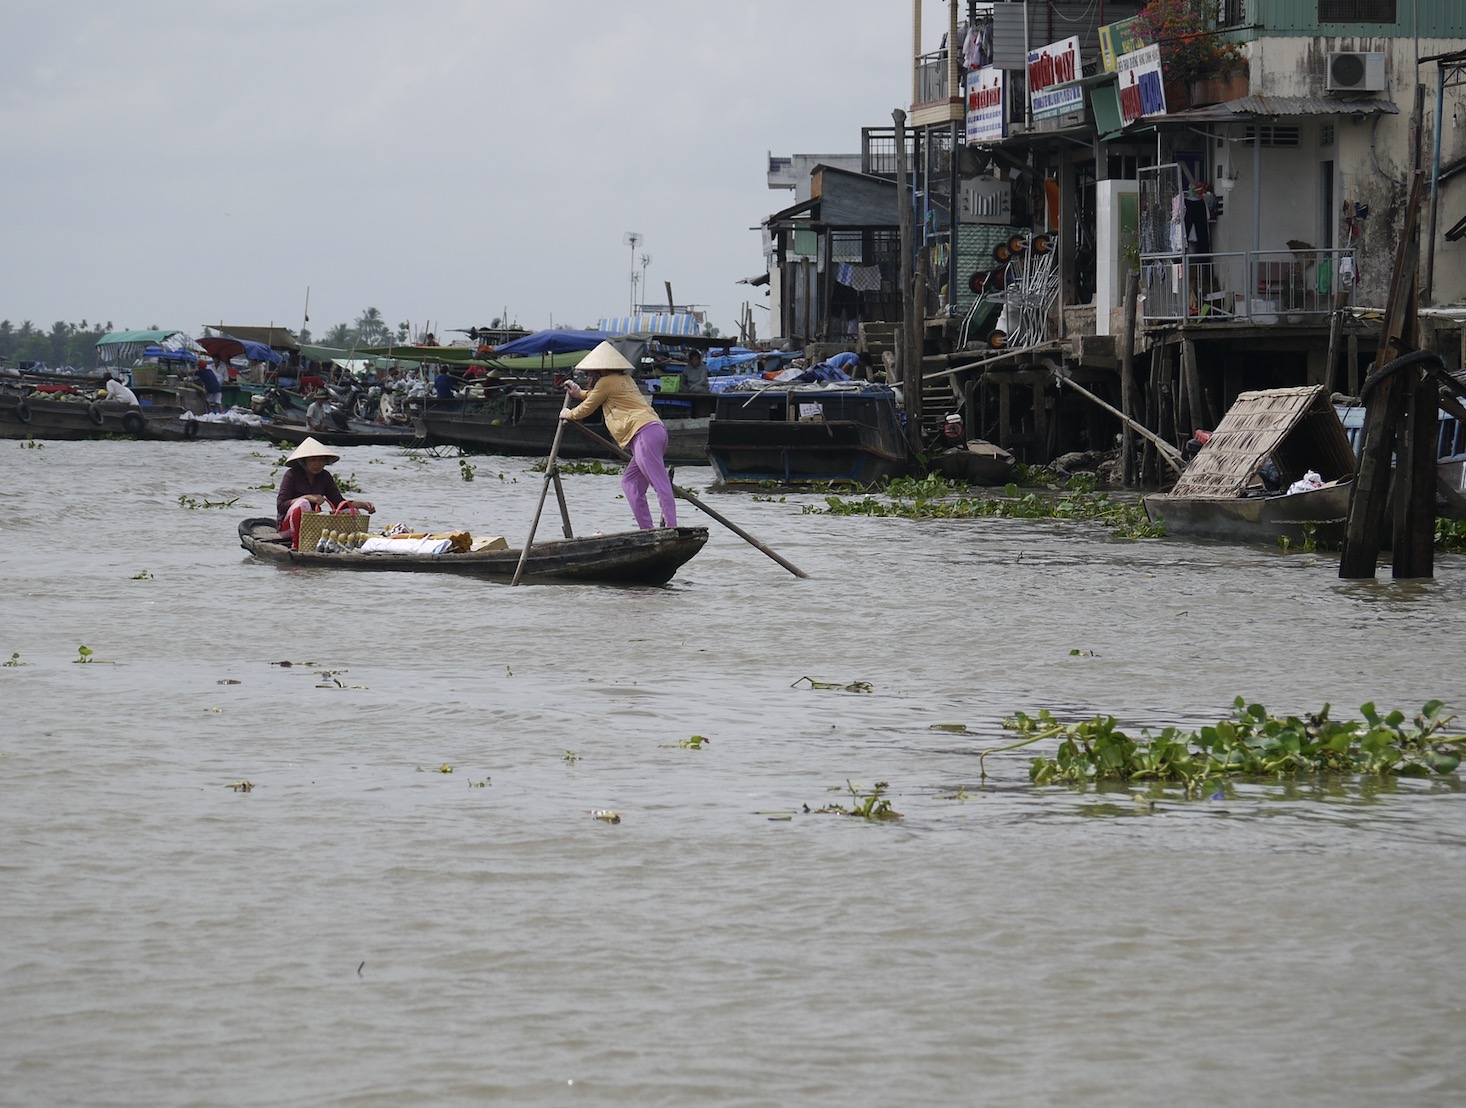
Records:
x=1198, y=66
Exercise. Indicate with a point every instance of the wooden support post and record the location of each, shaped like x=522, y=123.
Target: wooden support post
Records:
x=912, y=384
x=1413, y=552
x=1364, y=531
x=1331, y=360
x=1200, y=416
x=1127, y=380
x=1352, y=353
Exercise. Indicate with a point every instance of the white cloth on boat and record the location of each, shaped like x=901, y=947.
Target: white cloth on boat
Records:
x=378, y=544
x=1307, y=483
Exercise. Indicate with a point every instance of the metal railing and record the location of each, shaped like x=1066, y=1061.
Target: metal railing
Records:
x=1263, y=286
x=931, y=78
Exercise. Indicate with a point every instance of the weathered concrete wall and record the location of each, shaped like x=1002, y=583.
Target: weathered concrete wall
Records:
x=1373, y=152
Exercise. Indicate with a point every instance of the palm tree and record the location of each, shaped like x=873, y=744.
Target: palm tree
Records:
x=372, y=329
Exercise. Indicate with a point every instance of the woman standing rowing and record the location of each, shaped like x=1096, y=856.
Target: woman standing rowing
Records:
x=633, y=424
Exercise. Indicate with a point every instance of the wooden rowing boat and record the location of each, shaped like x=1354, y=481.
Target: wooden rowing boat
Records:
x=625, y=557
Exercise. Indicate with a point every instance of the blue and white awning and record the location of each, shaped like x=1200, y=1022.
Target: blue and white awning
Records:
x=664, y=323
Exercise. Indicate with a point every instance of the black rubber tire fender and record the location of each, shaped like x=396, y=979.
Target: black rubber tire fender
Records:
x=94, y=413
x=22, y=411
x=134, y=423
x=190, y=428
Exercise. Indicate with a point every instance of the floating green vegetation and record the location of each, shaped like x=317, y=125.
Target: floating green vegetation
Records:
x=1450, y=536
x=1077, y=653
x=853, y=686
x=241, y=786
x=191, y=503
x=464, y=469
x=141, y=575
x=770, y=499
x=348, y=484
x=1252, y=743
x=871, y=805
x=605, y=815
x=695, y=742
x=594, y=466
x=85, y=656
x=570, y=757
x=32, y=444
x=934, y=497
x=14, y=661
x=955, y=728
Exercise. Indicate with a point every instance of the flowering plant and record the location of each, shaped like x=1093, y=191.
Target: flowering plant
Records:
x=1190, y=49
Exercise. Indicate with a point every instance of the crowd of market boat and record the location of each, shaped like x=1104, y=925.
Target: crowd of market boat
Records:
x=1279, y=465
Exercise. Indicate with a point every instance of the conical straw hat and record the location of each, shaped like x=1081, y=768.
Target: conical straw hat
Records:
x=605, y=357
x=310, y=448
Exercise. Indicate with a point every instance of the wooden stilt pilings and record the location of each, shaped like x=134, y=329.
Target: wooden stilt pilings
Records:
x=1387, y=394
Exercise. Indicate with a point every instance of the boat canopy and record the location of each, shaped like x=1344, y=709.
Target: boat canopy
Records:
x=666, y=323
x=118, y=338
x=552, y=342
x=1298, y=428
x=122, y=347
x=226, y=348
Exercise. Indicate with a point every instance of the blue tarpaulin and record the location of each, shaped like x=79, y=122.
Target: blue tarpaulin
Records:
x=169, y=355
x=552, y=342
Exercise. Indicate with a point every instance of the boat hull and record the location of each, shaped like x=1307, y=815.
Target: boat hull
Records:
x=795, y=437
x=35, y=418
x=977, y=462
x=524, y=424
x=627, y=557
x=359, y=433
x=1319, y=513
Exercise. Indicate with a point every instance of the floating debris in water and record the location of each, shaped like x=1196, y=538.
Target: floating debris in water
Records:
x=605, y=815
x=853, y=686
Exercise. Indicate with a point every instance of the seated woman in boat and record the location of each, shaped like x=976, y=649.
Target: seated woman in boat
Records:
x=307, y=486
x=633, y=424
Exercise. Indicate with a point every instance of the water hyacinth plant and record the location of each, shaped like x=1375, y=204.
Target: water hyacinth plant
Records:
x=1251, y=744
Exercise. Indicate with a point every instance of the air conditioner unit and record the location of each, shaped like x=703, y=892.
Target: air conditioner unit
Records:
x=1354, y=72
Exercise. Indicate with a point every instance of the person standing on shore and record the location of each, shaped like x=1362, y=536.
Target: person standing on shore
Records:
x=633, y=424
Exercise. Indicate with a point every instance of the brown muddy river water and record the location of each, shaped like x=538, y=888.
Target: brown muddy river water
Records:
x=363, y=929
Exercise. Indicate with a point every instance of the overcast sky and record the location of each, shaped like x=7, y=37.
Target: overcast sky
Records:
x=182, y=162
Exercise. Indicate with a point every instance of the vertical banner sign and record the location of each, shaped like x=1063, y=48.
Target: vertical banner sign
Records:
x=985, y=112
x=1141, y=90
x=1120, y=38
x=1054, y=65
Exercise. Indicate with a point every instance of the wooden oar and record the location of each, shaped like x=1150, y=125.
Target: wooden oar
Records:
x=695, y=502
x=551, y=474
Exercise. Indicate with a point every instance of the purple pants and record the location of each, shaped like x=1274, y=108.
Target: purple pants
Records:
x=647, y=468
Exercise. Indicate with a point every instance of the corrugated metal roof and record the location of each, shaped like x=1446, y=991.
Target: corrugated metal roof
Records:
x=1268, y=107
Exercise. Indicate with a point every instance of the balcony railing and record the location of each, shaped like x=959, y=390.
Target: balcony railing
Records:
x=1260, y=286
x=931, y=78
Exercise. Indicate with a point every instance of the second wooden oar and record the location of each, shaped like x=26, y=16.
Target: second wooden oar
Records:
x=551, y=474
x=695, y=502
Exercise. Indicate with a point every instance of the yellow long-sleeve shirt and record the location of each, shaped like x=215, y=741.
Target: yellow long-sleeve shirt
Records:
x=626, y=410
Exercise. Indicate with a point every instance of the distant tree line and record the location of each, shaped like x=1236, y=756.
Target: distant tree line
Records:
x=72, y=344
